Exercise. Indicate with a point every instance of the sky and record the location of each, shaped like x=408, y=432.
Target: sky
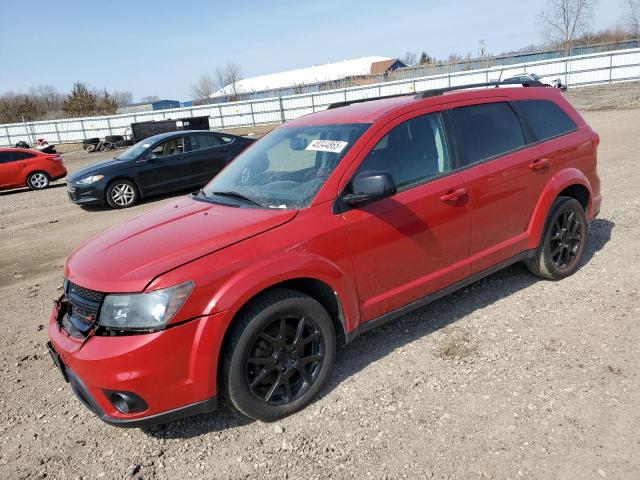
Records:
x=161, y=47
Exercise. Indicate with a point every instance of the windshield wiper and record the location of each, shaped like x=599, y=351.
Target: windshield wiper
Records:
x=238, y=195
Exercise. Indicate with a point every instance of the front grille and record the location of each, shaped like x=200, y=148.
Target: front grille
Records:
x=84, y=306
x=85, y=293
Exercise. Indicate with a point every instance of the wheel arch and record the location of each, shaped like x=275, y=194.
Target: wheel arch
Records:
x=25, y=181
x=317, y=289
x=569, y=182
x=579, y=192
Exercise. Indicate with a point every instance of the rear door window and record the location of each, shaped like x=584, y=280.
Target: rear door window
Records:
x=6, y=157
x=544, y=118
x=485, y=131
x=201, y=141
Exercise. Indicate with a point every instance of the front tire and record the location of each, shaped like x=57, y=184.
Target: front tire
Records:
x=563, y=241
x=122, y=194
x=38, y=180
x=279, y=354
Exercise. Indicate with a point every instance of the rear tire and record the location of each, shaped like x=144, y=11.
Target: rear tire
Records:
x=122, y=194
x=563, y=241
x=278, y=355
x=38, y=180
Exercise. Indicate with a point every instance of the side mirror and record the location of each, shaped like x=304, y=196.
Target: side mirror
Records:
x=369, y=187
x=298, y=143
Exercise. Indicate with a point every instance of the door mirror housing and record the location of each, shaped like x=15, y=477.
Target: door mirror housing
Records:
x=369, y=187
x=298, y=143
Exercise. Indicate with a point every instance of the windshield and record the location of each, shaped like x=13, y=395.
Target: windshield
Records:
x=135, y=151
x=287, y=167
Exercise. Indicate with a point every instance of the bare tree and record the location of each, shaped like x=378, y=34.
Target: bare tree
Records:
x=202, y=90
x=227, y=78
x=409, y=59
x=562, y=21
x=50, y=96
x=122, y=98
x=632, y=18
x=150, y=99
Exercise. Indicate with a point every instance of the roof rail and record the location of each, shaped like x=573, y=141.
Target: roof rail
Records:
x=439, y=91
x=362, y=100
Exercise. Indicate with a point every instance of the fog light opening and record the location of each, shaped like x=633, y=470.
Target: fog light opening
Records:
x=126, y=402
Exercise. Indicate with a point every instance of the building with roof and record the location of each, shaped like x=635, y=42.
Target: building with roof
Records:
x=148, y=106
x=383, y=67
x=311, y=79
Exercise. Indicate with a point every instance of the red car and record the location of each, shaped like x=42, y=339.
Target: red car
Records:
x=329, y=226
x=20, y=167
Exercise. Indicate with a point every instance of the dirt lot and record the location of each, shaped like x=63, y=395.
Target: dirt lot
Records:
x=512, y=377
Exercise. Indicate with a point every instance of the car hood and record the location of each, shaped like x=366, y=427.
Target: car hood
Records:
x=127, y=257
x=102, y=167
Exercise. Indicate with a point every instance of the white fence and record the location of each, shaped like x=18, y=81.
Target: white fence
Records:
x=598, y=68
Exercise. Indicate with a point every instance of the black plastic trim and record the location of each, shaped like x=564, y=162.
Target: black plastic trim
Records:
x=134, y=402
x=78, y=387
x=205, y=406
x=398, y=312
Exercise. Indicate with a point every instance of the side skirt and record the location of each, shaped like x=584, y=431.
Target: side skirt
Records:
x=421, y=302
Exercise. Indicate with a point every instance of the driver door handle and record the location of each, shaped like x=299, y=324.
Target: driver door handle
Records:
x=453, y=195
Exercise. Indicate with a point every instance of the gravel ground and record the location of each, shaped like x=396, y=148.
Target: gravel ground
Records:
x=512, y=377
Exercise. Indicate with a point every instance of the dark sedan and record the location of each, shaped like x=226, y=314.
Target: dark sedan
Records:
x=160, y=164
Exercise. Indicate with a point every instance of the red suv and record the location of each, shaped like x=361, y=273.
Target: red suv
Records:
x=20, y=167
x=332, y=224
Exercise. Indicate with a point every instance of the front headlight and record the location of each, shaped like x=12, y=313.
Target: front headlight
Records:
x=143, y=311
x=89, y=180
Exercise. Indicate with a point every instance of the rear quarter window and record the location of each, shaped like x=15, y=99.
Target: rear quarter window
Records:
x=544, y=118
x=22, y=155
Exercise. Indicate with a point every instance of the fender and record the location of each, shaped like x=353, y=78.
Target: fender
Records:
x=234, y=293
x=556, y=184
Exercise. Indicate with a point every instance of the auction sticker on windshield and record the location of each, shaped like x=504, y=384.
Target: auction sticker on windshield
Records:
x=333, y=146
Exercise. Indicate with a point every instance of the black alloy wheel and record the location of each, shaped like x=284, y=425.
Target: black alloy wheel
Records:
x=278, y=354
x=563, y=240
x=285, y=359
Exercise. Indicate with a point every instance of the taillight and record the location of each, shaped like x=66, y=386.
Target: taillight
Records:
x=595, y=139
x=57, y=158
